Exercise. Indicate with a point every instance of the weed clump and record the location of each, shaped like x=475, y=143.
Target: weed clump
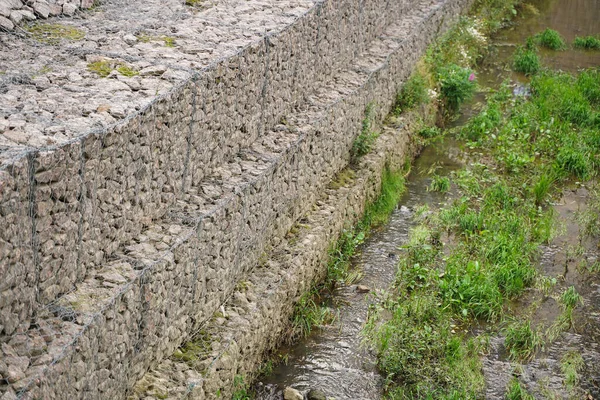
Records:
x=457, y=85
x=412, y=94
x=418, y=348
x=541, y=187
x=521, y=341
x=309, y=313
x=430, y=132
x=587, y=42
x=517, y=392
x=127, y=71
x=570, y=365
x=495, y=13
x=53, y=33
x=364, y=142
x=526, y=61
x=439, y=184
x=102, y=68
x=550, y=39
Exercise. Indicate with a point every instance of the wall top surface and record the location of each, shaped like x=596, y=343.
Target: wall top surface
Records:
x=63, y=78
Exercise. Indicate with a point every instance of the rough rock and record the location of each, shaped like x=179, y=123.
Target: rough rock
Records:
x=69, y=9
x=292, y=394
x=316, y=394
x=6, y=23
x=42, y=8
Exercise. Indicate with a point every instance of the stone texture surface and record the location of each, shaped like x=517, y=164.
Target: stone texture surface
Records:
x=122, y=240
x=17, y=10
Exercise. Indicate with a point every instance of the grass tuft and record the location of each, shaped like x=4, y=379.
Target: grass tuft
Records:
x=412, y=94
x=439, y=184
x=526, y=61
x=364, y=141
x=102, y=68
x=310, y=313
x=521, y=341
x=53, y=34
x=517, y=392
x=587, y=42
x=550, y=39
x=570, y=365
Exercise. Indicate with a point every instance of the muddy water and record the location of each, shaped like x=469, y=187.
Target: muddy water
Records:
x=333, y=361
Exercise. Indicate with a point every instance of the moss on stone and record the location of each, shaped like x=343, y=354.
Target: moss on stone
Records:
x=143, y=37
x=53, y=33
x=102, y=68
x=195, y=350
x=126, y=70
x=343, y=178
x=169, y=41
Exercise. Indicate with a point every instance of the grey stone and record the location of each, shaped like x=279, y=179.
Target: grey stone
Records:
x=6, y=23
x=362, y=289
x=153, y=70
x=14, y=374
x=42, y=8
x=14, y=4
x=292, y=394
x=130, y=39
x=17, y=136
x=316, y=394
x=4, y=10
x=9, y=395
x=19, y=15
x=16, y=16
x=69, y=9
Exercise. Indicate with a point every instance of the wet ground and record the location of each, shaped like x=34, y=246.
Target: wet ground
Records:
x=333, y=360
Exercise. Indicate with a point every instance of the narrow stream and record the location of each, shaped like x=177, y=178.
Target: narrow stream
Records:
x=333, y=361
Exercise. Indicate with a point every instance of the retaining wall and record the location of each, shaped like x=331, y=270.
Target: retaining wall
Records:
x=117, y=245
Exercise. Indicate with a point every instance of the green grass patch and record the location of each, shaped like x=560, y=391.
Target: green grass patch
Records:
x=412, y=94
x=550, y=39
x=587, y=42
x=53, y=34
x=495, y=14
x=571, y=365
x=439, y=184
x=101, y=68
x=430, y=132
x=522, y=341
x=169, y=41
x=125, y=70
x=417, y=347
x=240, y=391
x=516, y=391
x=310, y=313
x=526, y=61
